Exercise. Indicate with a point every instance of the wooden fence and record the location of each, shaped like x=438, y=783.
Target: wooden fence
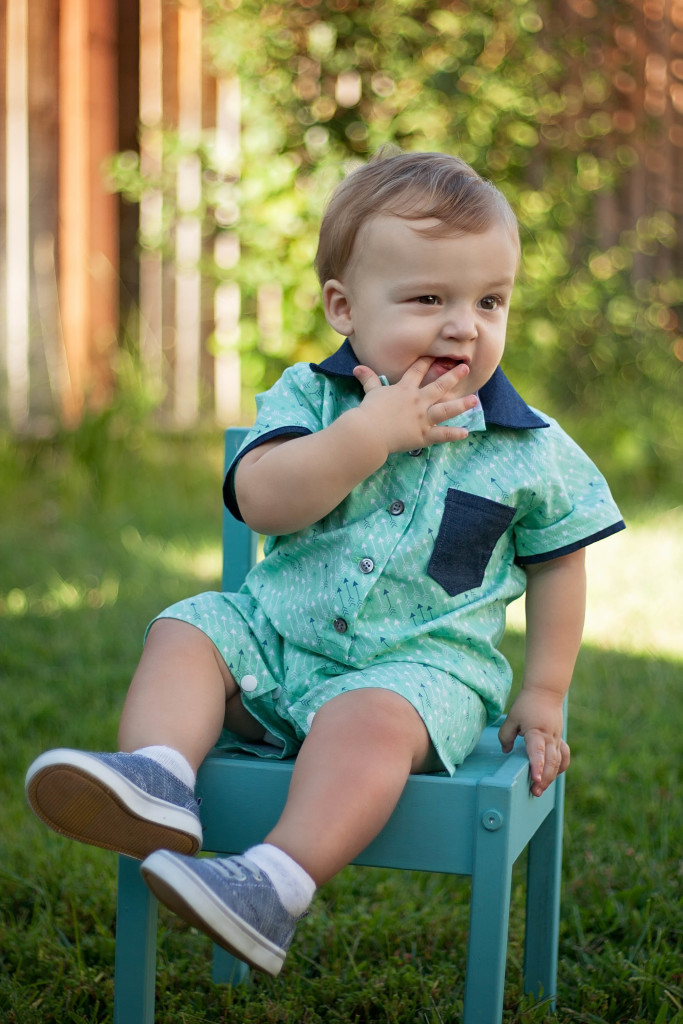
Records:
x=78, y=78
x=59, y=262
x=176, y=312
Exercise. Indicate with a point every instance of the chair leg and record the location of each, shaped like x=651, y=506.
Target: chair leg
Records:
x=544, y=868
x=136, y=940
x=488, y=936
x=227, y=969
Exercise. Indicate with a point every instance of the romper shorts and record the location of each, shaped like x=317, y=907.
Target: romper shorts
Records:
x=283, y=685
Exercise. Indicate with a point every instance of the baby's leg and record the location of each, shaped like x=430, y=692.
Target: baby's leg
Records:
x=142, y=798
x=181, y=695
x=348, y=777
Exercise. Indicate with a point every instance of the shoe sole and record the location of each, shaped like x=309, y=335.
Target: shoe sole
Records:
x=82, y=798
x=179, y=888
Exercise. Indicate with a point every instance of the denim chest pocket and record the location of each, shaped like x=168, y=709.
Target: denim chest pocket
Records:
x=470, y=529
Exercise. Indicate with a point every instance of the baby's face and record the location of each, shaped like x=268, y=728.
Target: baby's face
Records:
x=405, y=294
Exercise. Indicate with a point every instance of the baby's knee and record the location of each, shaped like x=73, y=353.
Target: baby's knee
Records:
x=377, y=715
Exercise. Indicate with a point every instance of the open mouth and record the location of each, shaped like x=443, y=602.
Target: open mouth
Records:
x=445, y=363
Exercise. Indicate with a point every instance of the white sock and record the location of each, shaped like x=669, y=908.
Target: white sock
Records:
x=294, y=886
x=173, y=761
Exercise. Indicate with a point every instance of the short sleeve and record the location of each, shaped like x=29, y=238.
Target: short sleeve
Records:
x=293, y=406
x=573, y=506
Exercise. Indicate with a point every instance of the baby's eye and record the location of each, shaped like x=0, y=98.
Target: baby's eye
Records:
x=490, y=303
x=428, y=300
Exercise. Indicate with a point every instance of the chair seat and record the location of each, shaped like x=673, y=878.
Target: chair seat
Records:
x=433, y=827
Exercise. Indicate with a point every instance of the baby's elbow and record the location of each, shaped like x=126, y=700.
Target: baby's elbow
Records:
x=268, y=517
x=258, y=519
x=253, y=508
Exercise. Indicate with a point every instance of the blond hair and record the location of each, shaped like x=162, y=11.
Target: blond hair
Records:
x=413, y=186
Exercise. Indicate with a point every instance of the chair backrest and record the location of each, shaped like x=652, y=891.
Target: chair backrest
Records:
x=239, y=542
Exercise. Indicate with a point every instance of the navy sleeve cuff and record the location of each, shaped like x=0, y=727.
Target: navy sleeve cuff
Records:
x=547, y=556
x=229, y=499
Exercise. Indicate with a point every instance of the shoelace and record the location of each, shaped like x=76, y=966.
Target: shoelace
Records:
x=241, y=869
x=238, y=869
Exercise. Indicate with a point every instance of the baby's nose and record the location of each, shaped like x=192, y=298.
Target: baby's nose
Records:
x=461, y=326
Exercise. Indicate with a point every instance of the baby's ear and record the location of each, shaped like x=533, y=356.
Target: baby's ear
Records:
x=337, y=307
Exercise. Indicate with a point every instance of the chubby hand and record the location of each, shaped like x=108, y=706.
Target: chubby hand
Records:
x=537, y=716
x=408, y=415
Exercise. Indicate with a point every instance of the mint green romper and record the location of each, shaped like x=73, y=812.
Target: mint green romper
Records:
x=404, y=585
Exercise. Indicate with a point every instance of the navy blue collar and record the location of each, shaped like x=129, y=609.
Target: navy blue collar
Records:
x=501, y=404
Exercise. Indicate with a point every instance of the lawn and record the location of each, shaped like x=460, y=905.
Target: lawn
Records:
x=91, y=547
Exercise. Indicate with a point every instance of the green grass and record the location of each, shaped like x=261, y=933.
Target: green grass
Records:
x=86, y=559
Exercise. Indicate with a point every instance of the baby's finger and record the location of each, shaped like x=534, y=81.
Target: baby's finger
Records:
x=450, y=380
x=535, y=748
x=417, y=371
x=453, y=407
x=367, y=377
x=547, y=760
x=551, y=768
x=447, y=435
x=565, y=757
x=507, y=734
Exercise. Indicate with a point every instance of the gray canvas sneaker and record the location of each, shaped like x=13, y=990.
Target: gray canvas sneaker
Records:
x=122, y=802
x=228, y=898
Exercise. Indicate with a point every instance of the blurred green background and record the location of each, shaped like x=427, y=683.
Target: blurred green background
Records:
x=573, y=109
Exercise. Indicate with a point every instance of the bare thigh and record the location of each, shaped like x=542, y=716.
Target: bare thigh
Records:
x=181, y=693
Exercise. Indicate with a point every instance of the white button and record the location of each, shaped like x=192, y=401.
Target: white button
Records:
x=277, y=692
x=309, y=720
x=249, y=683
x=366, y=565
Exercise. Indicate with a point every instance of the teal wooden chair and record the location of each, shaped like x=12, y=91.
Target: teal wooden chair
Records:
x=476, y=823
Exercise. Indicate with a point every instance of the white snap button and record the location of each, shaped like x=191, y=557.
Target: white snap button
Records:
x=249, y=683
x=309, y=720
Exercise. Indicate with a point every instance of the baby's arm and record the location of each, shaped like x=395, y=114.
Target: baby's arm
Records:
x=555, y=608
x=287, y=484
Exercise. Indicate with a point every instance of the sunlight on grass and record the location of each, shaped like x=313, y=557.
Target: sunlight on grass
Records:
x=60, y=595
x=203, y=562
x=635, y=589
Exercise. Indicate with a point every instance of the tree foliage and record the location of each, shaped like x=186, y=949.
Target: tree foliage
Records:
x=535, y=96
